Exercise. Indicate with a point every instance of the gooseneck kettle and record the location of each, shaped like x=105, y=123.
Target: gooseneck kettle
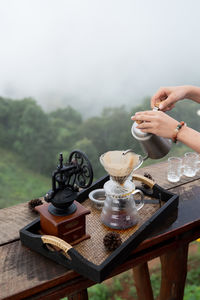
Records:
x=154, y=146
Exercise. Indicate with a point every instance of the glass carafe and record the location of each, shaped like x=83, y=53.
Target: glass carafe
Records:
x=120, y=210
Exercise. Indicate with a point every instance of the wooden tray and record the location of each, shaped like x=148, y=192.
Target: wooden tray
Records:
x=90, y=258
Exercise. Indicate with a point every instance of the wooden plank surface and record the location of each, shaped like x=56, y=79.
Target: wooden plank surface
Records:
x=12, y=219
x=20, y=265
x=189, y=208
x=26, y=272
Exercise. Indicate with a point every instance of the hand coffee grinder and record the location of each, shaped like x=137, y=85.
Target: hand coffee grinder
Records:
x=63, y=216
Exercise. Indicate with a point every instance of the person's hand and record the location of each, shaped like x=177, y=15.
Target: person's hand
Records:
x=156, y=122
x=168, y=96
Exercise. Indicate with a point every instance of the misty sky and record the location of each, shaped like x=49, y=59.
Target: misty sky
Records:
x=95, y=53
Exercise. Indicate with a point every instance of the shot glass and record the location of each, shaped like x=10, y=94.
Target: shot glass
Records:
x=174, y=170
x=191, y=164
x=198, y=164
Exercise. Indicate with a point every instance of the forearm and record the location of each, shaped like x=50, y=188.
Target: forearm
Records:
x=193, y=93
x=189, y=137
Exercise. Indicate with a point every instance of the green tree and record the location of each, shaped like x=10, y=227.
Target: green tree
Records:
x=35, y=138
x=93, y=129
x=117, y=129
x=66, y=123
x=111, y=131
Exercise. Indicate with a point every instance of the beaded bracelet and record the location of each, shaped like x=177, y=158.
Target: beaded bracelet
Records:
x=178, y=128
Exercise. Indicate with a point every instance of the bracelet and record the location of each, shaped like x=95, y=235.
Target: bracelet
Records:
x=178, y=128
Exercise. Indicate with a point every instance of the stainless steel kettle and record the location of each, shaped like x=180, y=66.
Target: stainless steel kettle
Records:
x=154, y=146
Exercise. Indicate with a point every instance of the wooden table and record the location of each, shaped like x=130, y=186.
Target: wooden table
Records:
x=25, y=274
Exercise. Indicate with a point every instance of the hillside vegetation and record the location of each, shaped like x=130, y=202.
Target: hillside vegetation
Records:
x=17, y=182
x=31, y=140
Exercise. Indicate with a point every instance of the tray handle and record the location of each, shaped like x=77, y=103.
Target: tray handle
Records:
x=144, y=179
x=55, y=241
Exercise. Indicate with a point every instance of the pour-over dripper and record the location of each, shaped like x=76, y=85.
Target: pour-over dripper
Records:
x=119, y=165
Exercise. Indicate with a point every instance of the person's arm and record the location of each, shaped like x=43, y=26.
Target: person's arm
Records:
x=168, y=96
x=193, y=93
x=159, y=123
x=190, y=138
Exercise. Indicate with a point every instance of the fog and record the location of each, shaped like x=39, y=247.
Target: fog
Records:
x=95, y=53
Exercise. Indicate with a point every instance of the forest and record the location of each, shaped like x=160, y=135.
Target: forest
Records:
x=34, y=138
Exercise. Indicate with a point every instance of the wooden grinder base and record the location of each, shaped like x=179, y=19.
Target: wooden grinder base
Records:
x=71, y=228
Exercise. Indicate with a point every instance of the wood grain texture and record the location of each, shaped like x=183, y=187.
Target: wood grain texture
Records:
x=29, y=274
x=76, y=287
x=143, y=282
x=25, y=273
x=12, y=219
x=174, y=271
x=23, y=270
x=83, y=295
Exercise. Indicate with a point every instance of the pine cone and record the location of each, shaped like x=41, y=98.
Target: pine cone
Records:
x=148, y=176
x=33, y=203
x=112, y=241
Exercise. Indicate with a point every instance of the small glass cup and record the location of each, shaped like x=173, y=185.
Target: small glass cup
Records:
x=174, y=170
x=191, y=160
x=198, y=164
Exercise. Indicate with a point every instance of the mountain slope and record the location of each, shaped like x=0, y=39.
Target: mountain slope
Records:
x=18, y=183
